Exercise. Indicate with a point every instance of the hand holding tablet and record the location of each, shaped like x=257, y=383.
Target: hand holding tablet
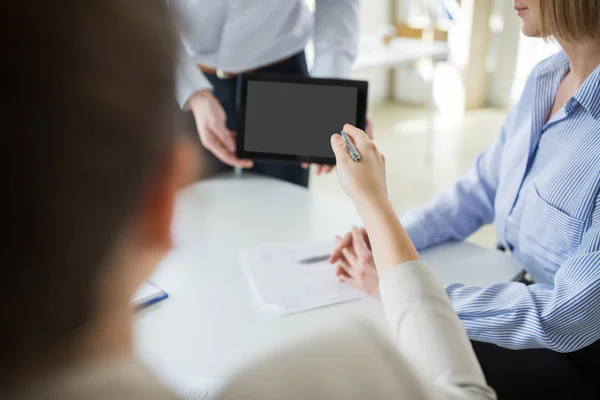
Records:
x=292, y=118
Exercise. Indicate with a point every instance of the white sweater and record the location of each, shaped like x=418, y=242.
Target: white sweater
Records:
x=430, y=358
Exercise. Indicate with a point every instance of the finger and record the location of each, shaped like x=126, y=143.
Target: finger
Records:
x=218, y=149
x=325, y=169
x=348, y=280
x=359, y=244
x=359, y=137
x=350, y=256
x=340, y=243
x=339, y=271
x=369, y=129
x=305, y=165
x=345, y=268
x=342, y=259
x=340, y=149
x=227, y=142
x=319, y=169
x=347, y=274
x=365, y=234
x=224, y=135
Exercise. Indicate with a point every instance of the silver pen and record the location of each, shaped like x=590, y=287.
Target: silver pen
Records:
x=354, y=154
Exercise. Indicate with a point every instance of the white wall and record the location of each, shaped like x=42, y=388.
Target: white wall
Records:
x=504, y=48
x=373, y=15
x=409, y=85
x=510, y=60
x=512, y=56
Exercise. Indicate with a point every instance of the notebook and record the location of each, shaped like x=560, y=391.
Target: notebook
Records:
x=283, y=285
x=147, y=295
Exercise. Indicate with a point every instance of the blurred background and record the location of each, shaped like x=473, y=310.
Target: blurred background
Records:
x=442, y=75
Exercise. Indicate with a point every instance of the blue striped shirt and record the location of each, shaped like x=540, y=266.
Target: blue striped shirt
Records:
x=539, y=182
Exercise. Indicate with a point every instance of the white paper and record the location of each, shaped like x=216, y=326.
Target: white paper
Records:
x=285, y=286
x=201, y=389
x=145, y=293
x=183, y=382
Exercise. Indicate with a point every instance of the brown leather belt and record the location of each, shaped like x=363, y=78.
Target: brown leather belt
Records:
x=226, y=75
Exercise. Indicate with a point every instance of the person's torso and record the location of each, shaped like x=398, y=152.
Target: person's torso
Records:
x=238, y=35
x=549, y=179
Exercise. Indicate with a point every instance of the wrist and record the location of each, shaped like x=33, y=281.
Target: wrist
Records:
x=372, y=205
x=198, y=97
x=390, y=243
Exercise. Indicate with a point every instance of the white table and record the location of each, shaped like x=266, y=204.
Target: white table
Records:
x=210, y=324
x=399, y=52
x=372, y=53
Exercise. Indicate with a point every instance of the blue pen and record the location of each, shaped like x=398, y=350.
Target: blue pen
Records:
x=151, y=302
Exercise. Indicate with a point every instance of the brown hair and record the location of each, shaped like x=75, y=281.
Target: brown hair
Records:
x=570, y=20
x=87, y=119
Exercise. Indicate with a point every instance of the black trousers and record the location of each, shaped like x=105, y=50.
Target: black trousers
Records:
x=540, y=373
x=225, y=90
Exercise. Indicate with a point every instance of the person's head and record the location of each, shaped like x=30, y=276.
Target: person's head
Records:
x=569, y=21
x=89, y=168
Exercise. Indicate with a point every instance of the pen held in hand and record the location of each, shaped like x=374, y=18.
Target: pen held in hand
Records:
x=354, y=154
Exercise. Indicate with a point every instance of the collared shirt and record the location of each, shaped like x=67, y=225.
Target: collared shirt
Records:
x=241, y=35
x=540, y=183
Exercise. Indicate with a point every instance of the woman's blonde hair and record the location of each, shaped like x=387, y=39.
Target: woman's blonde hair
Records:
x=570, y=20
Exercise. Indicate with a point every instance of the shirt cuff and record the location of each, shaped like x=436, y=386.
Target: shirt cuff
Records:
x=332, y=65
x=189, y=80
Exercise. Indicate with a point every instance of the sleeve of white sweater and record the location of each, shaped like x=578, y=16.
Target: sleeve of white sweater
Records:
x=429, y=334
x=432, y=357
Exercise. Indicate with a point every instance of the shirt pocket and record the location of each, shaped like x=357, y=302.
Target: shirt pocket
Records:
x=548, y=237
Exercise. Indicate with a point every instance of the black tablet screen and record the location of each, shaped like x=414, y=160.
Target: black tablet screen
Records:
x=295, y=118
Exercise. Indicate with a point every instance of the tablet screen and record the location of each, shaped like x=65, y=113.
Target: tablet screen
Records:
x=296, y=119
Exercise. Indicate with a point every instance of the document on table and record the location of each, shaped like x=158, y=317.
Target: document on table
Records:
x=186, y=384
x=285, y=286
x=201, y=389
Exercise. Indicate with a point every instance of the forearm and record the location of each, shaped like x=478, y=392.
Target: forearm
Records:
x=335, y=38
x=463, y=208
x=516, y=316
x=452, y=215
x=189, y=80
x=188, y=77
x=424, y=326
x=390, y=243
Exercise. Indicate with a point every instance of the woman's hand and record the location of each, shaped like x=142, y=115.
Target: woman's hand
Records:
x=356, y=266
x=346, y=242
x=325, y=169
x=363, y=181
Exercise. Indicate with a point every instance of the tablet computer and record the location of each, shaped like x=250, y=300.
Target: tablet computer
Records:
x=293, y=118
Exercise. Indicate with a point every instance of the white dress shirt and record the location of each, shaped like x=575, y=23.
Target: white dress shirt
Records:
x=432, y=359
x=241, y=35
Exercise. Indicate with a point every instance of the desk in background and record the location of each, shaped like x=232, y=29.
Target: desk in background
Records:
x=372, y=53
x=210, y=324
